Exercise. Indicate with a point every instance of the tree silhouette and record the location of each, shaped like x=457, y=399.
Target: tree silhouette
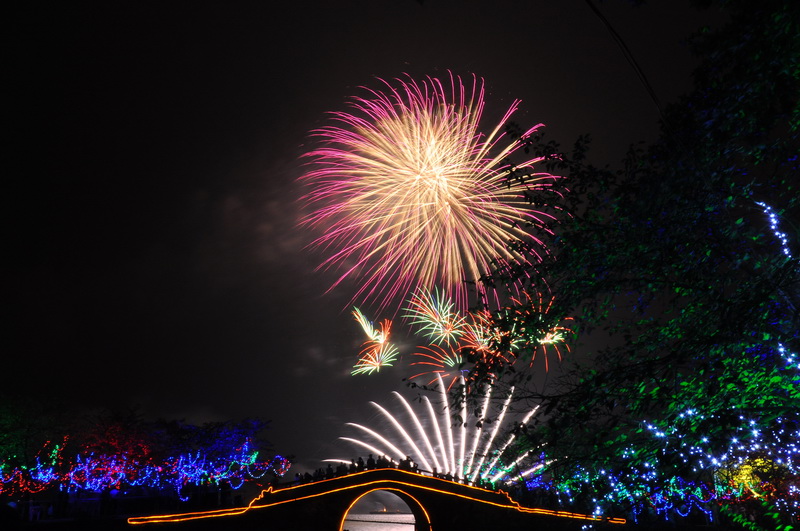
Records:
x=681, y=272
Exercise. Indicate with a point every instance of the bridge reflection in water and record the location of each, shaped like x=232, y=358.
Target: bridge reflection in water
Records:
x=437, y=505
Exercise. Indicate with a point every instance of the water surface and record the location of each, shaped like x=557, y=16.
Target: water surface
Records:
x=379, y=522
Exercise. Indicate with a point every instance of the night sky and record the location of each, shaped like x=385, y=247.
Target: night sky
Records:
x=153, y=257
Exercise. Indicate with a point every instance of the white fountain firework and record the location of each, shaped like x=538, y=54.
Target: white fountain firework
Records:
x=466, y=450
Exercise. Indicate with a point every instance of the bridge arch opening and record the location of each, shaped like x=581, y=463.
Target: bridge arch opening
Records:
x=375, y=500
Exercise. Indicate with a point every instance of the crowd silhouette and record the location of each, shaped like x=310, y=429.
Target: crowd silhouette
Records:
x=359, y=464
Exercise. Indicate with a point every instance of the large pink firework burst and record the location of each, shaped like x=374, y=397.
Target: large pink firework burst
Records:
x=410, y=193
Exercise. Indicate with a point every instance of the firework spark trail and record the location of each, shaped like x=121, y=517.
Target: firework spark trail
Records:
x=522, y=475
x=507, y=444
x=449, y=457
x=378, y=436
x=463, y=444
x=410, y=193
x=376, y=352
x=436, y=316
x=477, y=334
x=375, y=356
x=526, y=326
x=479, y=430
x=358, y=442
x=405, y=435
x=489, y=345
x=440, y=363
x=449, y=426
x=535, y=468
x=420, y=430
x=451, y=468
x=504, y=470
x=438, y=431
x=379, y=336
x=534, y=314
x=374, y=335
x=490, y=441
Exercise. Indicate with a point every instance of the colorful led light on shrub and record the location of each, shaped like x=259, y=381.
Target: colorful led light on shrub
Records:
x=100, y=472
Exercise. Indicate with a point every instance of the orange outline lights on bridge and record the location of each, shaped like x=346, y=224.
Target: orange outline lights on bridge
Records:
x=380, y=484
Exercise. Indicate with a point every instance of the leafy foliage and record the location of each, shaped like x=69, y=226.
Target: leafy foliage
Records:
x=684, y=299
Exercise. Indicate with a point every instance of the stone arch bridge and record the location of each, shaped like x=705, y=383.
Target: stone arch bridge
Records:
x=437, y=504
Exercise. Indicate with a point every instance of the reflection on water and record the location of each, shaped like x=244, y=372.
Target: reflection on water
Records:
x=379, y=522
